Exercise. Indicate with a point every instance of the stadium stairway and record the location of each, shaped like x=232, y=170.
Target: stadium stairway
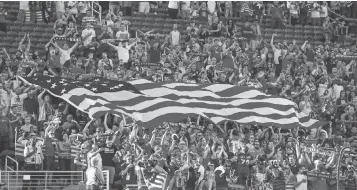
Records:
x=41, y=33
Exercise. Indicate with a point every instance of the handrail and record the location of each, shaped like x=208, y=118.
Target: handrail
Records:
x=99, y=12
x=7, y=167
x=24, y=178
x=43, y=176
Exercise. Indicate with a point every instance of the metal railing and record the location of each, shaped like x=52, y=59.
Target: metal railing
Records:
x=9, y=169
x=45, y=179
x=99, y=11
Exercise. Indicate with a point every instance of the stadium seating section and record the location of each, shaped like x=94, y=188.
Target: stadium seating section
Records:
x=41, y=33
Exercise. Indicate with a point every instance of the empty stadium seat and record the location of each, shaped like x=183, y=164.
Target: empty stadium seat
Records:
x=15, y=28
x=18, y=23
x=27, y=29
x=8, y=39
x=13, y=50
x=38, y=29
x=12, y=33
x=40, y=46
x=49, y=30
x=22, y=33
x=43, y=40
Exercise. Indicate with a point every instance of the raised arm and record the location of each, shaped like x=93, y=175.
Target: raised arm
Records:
x=153, y=137
x=28, y=43
x=132, y=44
x=22, y=41
x=303, y=45
x=111, y=45
x=56, y=46
x=105, y=122
x=7, y=55
x=39, y=97
x=86, y=128
x=272, y=42
x=49, y=43
x=74, y=46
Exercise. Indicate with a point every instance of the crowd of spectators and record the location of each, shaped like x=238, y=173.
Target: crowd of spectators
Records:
x=195, y=154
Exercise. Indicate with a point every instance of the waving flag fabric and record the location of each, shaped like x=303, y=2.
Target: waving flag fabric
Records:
x=155, y=103
x=154, y=181
x=246, y=8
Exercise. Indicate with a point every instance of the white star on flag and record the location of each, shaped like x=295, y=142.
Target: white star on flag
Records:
x=65, y=84
x=49, y=81
x=53, y=85
x=119, y=86
x=61, y=81
x=87, y=85
x=63, y=91
x=96, y=80
x=104, y=84
x=111, y=88
x=94, y=89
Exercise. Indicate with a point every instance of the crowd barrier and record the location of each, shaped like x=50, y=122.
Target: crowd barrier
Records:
x=16, y=180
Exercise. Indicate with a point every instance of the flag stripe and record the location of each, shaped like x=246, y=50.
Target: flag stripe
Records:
x=143, y=103
x=205, y=90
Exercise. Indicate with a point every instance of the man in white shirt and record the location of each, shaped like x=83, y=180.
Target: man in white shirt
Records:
x=175, y=36
x=123, y=52
x=17, y=98
x=211, y=7
x=65, y=52
x=277, y=54
x=88, y=34
x=94, y=154
x=95, y=177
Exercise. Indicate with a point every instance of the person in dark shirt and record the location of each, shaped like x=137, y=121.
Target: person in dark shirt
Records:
x=221, y=176
x=107, y=159
x=154, y=52
x=81, y=119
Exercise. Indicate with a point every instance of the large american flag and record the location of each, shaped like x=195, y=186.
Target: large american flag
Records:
x=155, y=103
